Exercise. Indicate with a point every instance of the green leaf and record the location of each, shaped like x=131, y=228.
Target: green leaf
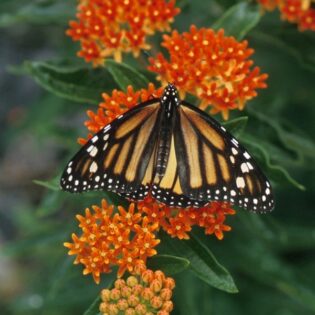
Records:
x=169, y=264
x=38, y=12
x=202, y=262
x=272, y=271
x=71, y=81
x=290, y=137
x=239, y=19
x=263, y=154
x=94, y=307
x=125, y=75
x=299, y=46
x=237, y=125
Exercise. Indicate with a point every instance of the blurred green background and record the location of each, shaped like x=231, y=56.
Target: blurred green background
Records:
x=42, y=109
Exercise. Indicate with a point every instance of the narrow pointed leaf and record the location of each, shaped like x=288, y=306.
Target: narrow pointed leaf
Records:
x=94, y=307
x=202, y=262
x=169, y=264
x=76, y=83
x=125, y=75
x=239, y=19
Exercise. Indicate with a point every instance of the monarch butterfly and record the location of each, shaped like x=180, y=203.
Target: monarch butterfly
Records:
x=173, y=150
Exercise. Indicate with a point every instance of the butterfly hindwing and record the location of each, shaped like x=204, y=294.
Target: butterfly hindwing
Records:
x=167, y=189
x=117, y=157
x=214, y=166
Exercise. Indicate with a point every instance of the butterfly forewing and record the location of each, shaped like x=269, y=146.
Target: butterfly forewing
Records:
x=118, y=156
x=214, y=166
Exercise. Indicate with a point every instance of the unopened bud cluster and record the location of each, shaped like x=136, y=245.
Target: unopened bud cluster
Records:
x=147, y=292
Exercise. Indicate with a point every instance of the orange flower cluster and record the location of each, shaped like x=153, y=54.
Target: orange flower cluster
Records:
x=116, y=104
x=128, y=237
x=294, y=11
x=211, y=66
x=178, y=222
x=109, y=28
x=146, y=292
x=124, y=239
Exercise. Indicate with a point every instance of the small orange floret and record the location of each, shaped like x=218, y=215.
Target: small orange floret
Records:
x=109, y=28
x=295, y=11
x=214, y=67
x=125, y=239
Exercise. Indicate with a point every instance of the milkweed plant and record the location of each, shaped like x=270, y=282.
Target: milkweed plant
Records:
x=248, y=64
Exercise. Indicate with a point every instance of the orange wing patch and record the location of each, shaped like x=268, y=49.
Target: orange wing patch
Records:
x=209, y=165
x=205, y=129
x=191, y=142
x=135, y=121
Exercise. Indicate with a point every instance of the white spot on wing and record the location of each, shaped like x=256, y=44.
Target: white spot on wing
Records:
x=94, y=151
x=93, y=167
x=240, y=183
x=246, y=155
x=244, y=168
x=94, y=139
x=90, y=148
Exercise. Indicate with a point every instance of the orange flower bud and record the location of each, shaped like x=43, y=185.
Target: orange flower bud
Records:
x=168, y=306
x=112, y=309
x=105, y=295
x=126, y=292
x=169, y=283
x=139, y=268
x=156, y=302
x=132, y=281
x=156, y=285
x=166, y=294
x=120, y=283
x=103, y=307
x=159, y=275
x=122, y=304
x=130, y=311
x=147, y=294
x=141, y=309
x=115, y=294
x=133, y=300
x=147, y=276
x=137, y=289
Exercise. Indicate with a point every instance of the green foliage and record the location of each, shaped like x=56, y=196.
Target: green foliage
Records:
x=267, y=261
x=239, y=19
x=202, y=262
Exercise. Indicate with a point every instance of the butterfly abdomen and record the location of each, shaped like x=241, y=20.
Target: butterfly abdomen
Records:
x=163, y=150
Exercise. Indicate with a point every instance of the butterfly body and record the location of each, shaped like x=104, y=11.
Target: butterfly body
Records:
x=173, y=150
x=169, y=102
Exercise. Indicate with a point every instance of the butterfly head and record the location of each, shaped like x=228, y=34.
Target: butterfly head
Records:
x=170, y=96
